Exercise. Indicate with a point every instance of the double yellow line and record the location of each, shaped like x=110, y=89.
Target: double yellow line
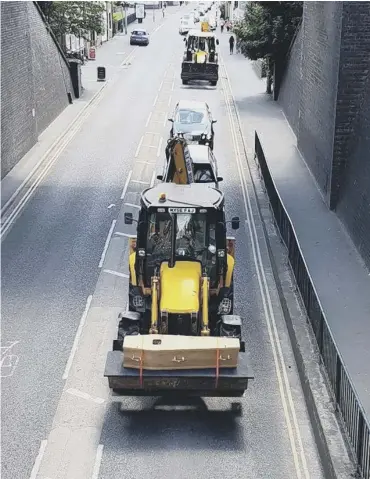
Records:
x=294, y=433
x=14, y=206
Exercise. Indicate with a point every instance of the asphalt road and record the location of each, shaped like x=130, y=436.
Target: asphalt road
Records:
x=50, y=262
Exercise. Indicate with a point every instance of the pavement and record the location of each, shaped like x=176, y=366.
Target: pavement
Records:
x=64, y=281
x=340, y=276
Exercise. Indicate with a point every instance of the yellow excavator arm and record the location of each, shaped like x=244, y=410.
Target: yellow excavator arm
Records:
x=182, y=165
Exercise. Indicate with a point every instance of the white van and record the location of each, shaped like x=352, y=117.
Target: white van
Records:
x=186, y=24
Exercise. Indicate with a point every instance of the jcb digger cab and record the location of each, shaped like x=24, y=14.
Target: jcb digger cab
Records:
x=182, y=262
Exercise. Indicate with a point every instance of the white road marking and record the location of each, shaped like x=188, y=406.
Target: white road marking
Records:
x=161, y=85
x=152, y=180
x=165, y=72
x=120, y=53
x=159, y=146
x=140, y=182
x=155, y=100
x=169, y=100
x=77, y=338
x=112, y=205
x=148, y=120
x=129, y=57
x=146, y=162
x=98, y=460
x=149, y=146
x=165, y=119
x=38, y=460
x=173, y=86
x=160, y=26
x=132, y=205
x=126, y=185
x=281, y=371
x=9, y=362
x=139, y=146
x=116, y=273
x=126, y=235
x=152, y=133
x=110, y=232
x=82, y=395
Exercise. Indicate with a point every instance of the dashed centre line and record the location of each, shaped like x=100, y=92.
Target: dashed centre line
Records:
x=148, y=120
x=139, y=146
x=159, y=146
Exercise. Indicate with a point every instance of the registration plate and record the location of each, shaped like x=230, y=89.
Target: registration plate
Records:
x=182, y=210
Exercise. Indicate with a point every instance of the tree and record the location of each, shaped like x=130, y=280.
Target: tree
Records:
x=78, y=18
x=267, y=31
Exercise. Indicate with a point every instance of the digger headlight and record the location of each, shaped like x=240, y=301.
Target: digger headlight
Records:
x=138, y=301
x=225, y=306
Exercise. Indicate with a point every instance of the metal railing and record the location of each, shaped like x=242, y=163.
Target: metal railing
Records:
x=347, y=403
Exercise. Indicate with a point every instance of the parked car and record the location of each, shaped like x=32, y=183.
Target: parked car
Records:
x=186, y=24
x=204, y=166
x=139, y=36
x=193, y=119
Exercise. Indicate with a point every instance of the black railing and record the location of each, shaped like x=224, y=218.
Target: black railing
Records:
x=344, y=393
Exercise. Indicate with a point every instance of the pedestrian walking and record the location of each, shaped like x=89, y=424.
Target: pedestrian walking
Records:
x=222, y=24
x=228, y=25
x=231, y=43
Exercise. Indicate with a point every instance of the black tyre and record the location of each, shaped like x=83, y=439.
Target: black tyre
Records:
x=213, y=83
x=185, y=82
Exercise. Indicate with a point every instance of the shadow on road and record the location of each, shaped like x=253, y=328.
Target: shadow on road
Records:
x=174, y=423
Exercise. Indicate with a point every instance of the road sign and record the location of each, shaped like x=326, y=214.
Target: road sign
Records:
x=140, y=10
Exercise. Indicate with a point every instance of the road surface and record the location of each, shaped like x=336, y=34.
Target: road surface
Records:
x=67, y=253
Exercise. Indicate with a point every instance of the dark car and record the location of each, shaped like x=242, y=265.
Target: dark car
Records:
x=139, y=36
x=204, y=166
x=193, y=120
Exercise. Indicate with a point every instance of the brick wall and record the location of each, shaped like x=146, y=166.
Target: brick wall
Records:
x=351, y=165
x=325, y=94
x=320, y=63
x=34, y=81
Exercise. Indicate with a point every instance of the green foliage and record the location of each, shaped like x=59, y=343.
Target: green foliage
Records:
x=268, y=28
x=78, y=18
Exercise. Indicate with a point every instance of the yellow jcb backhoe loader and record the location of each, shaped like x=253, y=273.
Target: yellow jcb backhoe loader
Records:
x=181, y=267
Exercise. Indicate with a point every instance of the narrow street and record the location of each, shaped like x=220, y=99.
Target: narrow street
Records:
x=67, y=252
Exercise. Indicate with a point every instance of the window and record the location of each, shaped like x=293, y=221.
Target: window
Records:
x=189, y=117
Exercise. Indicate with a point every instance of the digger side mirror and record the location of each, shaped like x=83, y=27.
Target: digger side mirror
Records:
x=235, y=223
x=220, y=178
x=170, y=119
x=217, y=42
x=160, y=177
x=128, y=219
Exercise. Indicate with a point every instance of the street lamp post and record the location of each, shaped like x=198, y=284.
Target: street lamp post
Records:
x=124, y=5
